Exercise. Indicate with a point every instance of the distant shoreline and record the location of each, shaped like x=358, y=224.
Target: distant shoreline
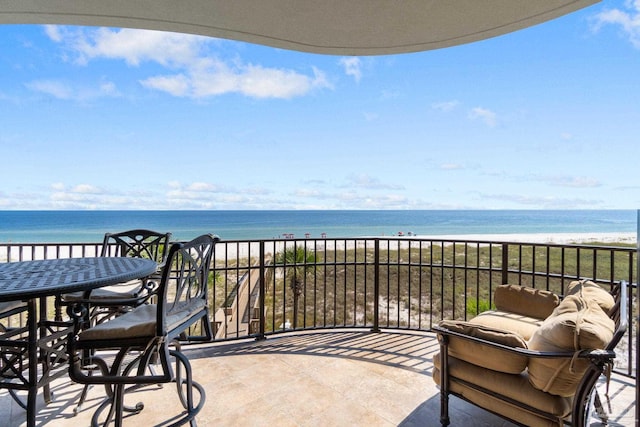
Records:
x=553, y=238
x=37, y=250
x=89, y=226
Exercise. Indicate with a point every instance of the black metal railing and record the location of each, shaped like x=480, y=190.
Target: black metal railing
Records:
x=394, y=283
x=266, y=287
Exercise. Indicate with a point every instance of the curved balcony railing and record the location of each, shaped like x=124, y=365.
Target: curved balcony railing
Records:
x=266, y=287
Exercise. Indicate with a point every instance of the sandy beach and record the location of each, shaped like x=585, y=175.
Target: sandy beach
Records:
x=554, y=238
x=29, y=251
x=394, y=242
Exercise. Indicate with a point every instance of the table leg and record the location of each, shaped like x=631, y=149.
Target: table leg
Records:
x=32, y=388
x=44, y=356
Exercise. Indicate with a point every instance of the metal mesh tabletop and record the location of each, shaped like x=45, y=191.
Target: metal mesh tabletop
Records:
x=31, y=279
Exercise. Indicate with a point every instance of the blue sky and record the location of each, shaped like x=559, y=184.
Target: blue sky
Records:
x=105, y=118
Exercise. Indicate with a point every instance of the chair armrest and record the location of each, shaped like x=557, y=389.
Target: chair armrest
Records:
x=593, y=354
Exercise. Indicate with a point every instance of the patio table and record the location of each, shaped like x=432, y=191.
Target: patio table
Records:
x=31, y=281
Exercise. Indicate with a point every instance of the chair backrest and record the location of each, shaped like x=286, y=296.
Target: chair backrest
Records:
x=619, y=313
x=183, y=289
x=137, y=244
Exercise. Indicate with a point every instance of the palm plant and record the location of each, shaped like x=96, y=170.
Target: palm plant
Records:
x=297, y=262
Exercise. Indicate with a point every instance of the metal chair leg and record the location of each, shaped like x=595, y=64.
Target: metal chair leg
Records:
x=185, y=386
x=598, y=408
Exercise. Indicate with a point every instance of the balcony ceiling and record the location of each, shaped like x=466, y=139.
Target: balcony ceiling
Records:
x=340, y=27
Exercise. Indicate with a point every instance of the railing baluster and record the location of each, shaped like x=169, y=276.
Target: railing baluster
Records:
x=363, y=269
x=505, y=264
x=376, y=287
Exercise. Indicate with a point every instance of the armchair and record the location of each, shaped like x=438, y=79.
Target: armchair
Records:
x=536, y=359
x=117, y=352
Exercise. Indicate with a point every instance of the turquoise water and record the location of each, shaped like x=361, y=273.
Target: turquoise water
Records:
x=90, y=226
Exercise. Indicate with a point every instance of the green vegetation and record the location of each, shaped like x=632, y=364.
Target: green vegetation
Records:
x=297, y=262
x=475, y=307
x=420, y=283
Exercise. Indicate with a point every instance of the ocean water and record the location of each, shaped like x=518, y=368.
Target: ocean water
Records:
x=90, y=226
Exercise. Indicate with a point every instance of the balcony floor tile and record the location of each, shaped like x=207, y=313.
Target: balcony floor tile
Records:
x=328, y=378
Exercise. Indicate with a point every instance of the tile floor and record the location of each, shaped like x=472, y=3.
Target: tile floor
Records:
x=329, y=378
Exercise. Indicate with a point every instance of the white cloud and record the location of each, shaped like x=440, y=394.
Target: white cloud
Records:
x=213, y=78
x=256, y=191
x=195, y=195
x=108, y=88
x=487, y=116
x=53, y=32
x=202, y=186
x=351, y=199
x=366, y=181
x=133, y=46
x=451, y=166
x=201, y=195
x=628, y=19
x=195, y=73
x=193, y=191
x=86, y=189
x=57, y=89
x=177, y=85
x=90, y=196
x=308, y=192
x=572, y=181
x=70, y=91
x=390, y=94
x=262, y=83
x=445, y=106
x=352, y=67
x=544, y=202
x=205, y=195
x=84, y=196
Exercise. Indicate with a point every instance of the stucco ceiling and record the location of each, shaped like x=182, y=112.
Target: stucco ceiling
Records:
x=342, y=27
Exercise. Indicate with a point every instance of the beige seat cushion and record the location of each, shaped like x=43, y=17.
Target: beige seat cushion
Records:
x=591, y=291
x=526, y=301
x=576, y=324
x=515, y=387
x=484, y=355
x=138, y=323
x=128, y=290
x=10, y=305
x=518, y=324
